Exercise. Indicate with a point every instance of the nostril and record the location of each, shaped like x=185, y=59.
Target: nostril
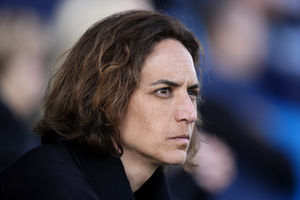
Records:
x=193, y=118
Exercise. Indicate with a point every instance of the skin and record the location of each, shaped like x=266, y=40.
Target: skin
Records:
x=160, y=117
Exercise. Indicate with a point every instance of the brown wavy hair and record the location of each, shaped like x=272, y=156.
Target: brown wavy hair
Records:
x=88, y=95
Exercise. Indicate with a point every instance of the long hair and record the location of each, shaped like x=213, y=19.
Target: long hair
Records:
x=88, y=95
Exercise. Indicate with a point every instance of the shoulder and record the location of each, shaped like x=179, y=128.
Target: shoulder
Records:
x=46, y=172
x=42, y=160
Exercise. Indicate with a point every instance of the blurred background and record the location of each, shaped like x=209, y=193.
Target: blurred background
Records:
x=250, y=134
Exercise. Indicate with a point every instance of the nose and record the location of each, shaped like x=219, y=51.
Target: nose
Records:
x=186, y=110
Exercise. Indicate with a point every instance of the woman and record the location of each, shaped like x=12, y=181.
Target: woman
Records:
x=122, y=105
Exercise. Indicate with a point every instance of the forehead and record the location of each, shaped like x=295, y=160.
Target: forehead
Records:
x=169, y=60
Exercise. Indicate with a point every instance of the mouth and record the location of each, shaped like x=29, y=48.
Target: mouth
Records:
x=181, y=138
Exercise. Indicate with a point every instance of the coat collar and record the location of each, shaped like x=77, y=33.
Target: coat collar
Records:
x=107, y=177
x=105, y=174
x=155, y=188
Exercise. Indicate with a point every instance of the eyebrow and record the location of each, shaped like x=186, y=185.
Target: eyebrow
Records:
x=174, y=84
x=195, y=86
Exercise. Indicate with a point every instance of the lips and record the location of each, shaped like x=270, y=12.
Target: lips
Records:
x=186, y=137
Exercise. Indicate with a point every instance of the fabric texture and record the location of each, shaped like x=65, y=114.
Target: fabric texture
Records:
x=63, y=171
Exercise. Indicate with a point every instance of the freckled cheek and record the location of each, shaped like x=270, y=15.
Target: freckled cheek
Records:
x=159, y=114
x=153, y=120
x=139, y=119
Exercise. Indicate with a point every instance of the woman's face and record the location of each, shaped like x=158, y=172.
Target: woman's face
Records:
x=159, y=121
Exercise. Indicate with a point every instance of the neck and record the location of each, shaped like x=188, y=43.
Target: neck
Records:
x=138, y=169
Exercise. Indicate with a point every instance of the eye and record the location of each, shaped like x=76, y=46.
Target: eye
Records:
x=164, y=92
x=193, y=94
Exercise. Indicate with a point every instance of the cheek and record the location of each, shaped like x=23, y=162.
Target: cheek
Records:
x=148, y=110
x=146, y=121
x=155, y=118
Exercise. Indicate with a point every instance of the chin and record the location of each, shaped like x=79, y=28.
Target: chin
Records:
x=176, y=158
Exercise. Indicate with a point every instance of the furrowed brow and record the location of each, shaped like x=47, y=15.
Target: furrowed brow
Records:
x=166, y=82
x=195, y=86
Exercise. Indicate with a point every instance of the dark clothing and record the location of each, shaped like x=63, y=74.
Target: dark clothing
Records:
x=63, y=171
x=184, y=187
x=15, y=137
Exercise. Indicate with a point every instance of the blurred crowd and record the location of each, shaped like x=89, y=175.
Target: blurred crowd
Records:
x=251, y=81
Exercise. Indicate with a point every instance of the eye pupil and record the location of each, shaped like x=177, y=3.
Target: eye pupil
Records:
x=164, y=91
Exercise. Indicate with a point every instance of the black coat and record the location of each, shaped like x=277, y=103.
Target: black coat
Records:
x=61, y=171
